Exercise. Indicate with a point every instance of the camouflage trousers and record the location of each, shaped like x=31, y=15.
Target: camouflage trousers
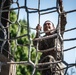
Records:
x=51, y=69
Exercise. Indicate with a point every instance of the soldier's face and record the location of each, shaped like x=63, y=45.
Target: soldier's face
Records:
x=48, y=26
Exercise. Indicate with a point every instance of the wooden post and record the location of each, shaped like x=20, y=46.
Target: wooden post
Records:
x=4, y=22
x=4, y=55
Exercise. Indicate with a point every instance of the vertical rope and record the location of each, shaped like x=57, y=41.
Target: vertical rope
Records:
x=60, y=25
x=28, y=32
x=39, y=11
x=33, y=73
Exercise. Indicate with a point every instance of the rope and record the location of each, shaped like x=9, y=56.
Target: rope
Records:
x=58, y=8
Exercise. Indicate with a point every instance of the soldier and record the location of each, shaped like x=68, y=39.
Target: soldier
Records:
x=44, y=44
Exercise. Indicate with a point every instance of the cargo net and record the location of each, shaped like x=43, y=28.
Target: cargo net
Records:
x=16, y=37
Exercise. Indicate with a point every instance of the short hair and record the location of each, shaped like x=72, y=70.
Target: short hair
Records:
x=49, y=22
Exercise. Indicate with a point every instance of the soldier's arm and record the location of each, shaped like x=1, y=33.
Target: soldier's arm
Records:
x=63, y=20
x=38, y=29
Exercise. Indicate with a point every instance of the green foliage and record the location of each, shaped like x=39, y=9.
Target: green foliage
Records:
x=21, y=52
x=13, y=16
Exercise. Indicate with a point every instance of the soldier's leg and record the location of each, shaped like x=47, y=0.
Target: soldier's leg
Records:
x=53, y=69
x=61, y=66
x=48, y=69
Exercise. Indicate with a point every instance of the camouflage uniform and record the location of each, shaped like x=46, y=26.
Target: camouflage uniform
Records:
x=50, y=56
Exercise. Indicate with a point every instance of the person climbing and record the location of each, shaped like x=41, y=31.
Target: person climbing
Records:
x=49, y=43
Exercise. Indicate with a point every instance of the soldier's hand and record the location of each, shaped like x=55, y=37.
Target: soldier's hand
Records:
x=38, y=27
